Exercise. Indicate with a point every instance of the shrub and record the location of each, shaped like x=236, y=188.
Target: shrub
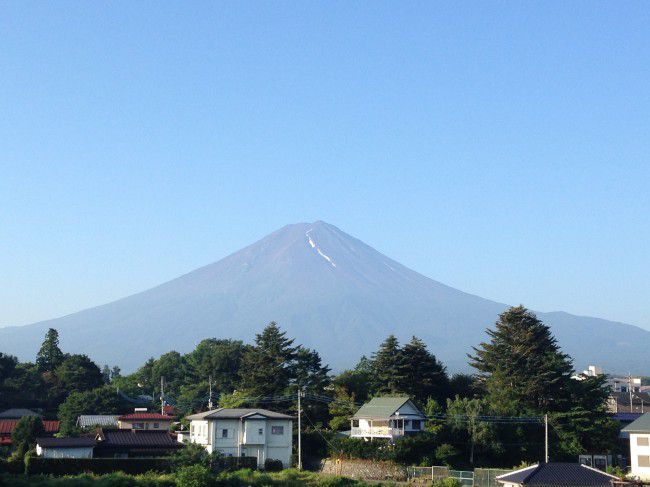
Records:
x=194, y=476
x=271, y=465
x=74, y=466
x=447, y=482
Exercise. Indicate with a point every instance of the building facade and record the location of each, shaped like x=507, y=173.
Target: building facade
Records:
x=388, y=418
x=243, y=432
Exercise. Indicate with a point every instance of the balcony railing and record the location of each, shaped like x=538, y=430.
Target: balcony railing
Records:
x=377, y=431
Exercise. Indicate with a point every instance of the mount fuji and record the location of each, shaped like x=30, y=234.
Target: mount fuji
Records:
x=327, y=289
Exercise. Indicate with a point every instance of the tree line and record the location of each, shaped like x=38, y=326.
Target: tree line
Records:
x=520, y=371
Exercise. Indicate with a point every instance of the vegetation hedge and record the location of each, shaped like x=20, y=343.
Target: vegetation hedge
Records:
x=192, y=476
x=74, y=466
x=271, y=465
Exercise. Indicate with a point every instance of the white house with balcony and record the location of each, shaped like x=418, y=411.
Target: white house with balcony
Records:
x=639, y=432
x=387, y=417
x=243, y=432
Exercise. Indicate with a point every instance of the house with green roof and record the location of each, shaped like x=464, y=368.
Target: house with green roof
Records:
x=387, y=417
x=639, y=432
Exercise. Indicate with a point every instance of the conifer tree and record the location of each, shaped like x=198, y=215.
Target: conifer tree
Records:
x=266, y=367
x=50, y=356
x=522, y=366
x=424, y=376
x=388, y=367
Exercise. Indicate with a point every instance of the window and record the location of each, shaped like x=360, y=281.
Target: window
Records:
x=642, y=441
x=156, y=425
x=260, y=431
x=224, y=433
x=644, y=460
x=277, y=430
x=191, y=429
x=415, y=424
x=138, y=426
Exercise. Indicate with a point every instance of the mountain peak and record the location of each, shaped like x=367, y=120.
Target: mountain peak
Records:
x=330, y=291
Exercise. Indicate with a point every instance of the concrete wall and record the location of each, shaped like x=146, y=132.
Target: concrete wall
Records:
x=364, y=469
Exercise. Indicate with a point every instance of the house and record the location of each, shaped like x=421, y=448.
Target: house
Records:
x=258, y=433
x=130, y=443
x=7, y=427
x=17, y=413
x=88, y=421
x=628, y=402
x=639, y=432
x=557, y=474
x=65, y=447
x=387, y=417
x=142, y=420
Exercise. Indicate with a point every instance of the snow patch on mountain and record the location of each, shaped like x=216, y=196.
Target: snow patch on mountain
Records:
x=318, y=249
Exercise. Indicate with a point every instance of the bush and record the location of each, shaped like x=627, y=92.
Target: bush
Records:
x=271, y=465
x=74, y=466
x=447, y=482
x=194, y=476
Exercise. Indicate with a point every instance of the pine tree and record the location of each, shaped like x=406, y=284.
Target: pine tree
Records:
x=424, y=376
x=388, y=367
x=49, y=356
x=266, y=367
x=523, y=365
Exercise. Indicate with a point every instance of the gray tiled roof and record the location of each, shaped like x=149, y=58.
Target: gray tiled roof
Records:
x=380, y=407
x=640, y=425
x=80, y=442
x=90, y=420
x=237, y=413
x=558, y=474
x=17, y=413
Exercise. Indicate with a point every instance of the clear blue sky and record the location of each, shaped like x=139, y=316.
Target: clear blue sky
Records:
x=499, y=147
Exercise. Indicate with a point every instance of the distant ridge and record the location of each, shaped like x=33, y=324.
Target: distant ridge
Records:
x=330, y=291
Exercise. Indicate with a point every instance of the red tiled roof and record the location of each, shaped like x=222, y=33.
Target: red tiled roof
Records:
x=146, y=416
x=8, y=425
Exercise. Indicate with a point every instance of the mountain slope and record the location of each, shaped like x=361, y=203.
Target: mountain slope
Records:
x=330, y=291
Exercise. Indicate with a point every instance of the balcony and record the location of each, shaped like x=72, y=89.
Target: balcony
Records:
x=376, y=432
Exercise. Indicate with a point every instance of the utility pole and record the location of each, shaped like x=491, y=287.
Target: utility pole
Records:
x=629, y=389
x=210, y=396
x=162, y=395
x=300, y=393
x=546, y=438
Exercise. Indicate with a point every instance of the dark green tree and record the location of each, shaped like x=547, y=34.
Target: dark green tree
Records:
x=424, y=376
x=220, y=360
x=50, y=356
x=116, y=372
x=388, y=370
x=523, y=366
x=77, y=373
x=25, y=386
x=266, y=368
x=103, y=400
x=25, y=433
x=106, y=373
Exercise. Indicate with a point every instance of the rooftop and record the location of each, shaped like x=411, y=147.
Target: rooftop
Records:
x=8, y=425
x=89, y=420
x=237, y=413
x=146, y=417
x=80, y=442
x=137, y=438
x=639, y=425
x=381, y=407
x=17, y=413
x=560, y=474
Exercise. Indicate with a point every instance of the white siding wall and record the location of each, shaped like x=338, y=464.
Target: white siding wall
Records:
x=82, y=452
x=243, y=438
x=636, y=451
